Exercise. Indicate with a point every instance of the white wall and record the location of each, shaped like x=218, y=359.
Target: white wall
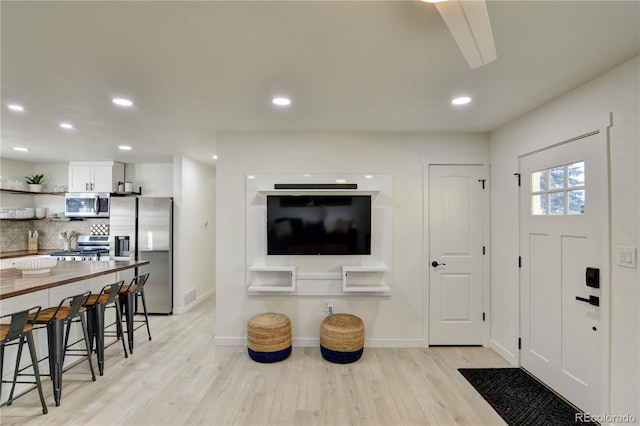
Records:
x=390, y=321
x=618, y=92
x=194, y=248
x=156, y=180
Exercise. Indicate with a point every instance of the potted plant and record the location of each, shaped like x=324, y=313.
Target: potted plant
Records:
x=35, y=182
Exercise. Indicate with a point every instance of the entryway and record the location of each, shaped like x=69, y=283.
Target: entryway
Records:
x=564, y=203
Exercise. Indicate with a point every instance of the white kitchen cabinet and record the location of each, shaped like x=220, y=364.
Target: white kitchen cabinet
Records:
x=100, y=176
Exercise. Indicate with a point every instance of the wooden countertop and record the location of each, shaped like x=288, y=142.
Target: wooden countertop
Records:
x=22, y=253
x=13, y=283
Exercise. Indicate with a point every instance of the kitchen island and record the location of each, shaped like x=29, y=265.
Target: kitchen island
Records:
x=13, y=283
x=68, y=278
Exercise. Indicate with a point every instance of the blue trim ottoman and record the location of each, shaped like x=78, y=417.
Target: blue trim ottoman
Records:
x=342, y=338
x=269, y=337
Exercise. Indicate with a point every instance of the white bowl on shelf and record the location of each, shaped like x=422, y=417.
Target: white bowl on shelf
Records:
x=38, y=265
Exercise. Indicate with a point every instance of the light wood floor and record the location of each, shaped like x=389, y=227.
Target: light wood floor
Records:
x=181, y=378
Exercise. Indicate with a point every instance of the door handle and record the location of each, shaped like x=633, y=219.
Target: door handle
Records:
x=592, y=300
x=435, y=264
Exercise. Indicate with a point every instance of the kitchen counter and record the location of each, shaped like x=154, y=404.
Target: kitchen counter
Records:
x=13, y=283
x=23, y=253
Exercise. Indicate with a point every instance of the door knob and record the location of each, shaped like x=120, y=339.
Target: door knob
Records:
x=592, y=300
x=435, y=264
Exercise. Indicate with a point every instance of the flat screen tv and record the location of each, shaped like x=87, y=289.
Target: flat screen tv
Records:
x=318, y=224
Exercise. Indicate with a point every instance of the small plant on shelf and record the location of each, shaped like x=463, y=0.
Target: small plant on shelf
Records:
x=35, y=182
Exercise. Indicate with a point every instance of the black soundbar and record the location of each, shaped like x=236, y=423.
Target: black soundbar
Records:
x=315, y=186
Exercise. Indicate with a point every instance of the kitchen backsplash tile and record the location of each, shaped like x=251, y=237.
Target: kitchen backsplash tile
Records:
x=14, y=235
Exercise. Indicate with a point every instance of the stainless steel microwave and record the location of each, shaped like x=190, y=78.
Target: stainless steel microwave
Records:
x=86, y=204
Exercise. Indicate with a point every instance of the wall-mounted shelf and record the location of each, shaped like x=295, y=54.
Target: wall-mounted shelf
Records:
x=19, y=192
x=365, y=279
x=24, y=219
x=269, y=278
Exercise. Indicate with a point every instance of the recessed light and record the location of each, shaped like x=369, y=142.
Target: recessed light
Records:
x=21, y=149
x=434, y=1
x=122, y=102
x=215, y=157
x=66, y=126
x=16, y=107
x=281, y=101
x=462, y=100
x=124, y=148
x=251, y=177
x=341, y=181
x=368, y=176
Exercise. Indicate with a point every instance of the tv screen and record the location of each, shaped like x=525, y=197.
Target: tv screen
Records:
x=318, y=224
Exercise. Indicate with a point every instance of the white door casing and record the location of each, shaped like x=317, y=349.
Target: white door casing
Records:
x=456, y=244
x=565, y=340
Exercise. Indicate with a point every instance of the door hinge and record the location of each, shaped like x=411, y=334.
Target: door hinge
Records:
x=519, y=261
x=483, y=181
x=484, y=318
x=484, y=250
x=519, y=343
x=518, y=175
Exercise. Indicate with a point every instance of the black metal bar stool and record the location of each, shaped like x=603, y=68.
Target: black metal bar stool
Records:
x=15, y=333
x=96, y=305
x=68, y=311
x=128, y=298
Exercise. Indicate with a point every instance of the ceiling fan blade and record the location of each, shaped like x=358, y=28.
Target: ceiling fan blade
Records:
x=469, y=24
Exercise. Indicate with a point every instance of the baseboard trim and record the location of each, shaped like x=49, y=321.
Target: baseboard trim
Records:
x=179, y=310
x=503, y=352
x=312, y=342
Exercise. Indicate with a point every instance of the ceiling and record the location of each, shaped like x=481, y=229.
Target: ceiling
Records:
x=197, y=69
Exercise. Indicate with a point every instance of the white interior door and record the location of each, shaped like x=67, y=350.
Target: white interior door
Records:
x=563, y=213
x=456, y=219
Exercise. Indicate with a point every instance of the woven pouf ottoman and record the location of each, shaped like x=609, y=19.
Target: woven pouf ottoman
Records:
x=269, y=337
x=342, y=338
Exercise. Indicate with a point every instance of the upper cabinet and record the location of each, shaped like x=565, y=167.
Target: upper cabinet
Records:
x=100, y=176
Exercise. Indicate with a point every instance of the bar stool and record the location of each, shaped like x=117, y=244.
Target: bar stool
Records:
x=96, y=305
x=15, y=333
x=55, y=319
x=128, y=298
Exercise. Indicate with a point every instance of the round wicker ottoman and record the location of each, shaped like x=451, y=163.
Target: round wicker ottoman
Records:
x=269, y=337
x=342, y=338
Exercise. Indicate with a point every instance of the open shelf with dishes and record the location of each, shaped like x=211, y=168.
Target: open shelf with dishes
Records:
x=21, y=192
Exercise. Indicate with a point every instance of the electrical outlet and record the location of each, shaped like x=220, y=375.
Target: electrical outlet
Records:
x=327, y=306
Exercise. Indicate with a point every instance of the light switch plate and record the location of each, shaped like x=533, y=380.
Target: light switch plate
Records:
x=627, y=256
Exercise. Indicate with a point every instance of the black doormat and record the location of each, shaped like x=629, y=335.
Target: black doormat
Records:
x=520, y=399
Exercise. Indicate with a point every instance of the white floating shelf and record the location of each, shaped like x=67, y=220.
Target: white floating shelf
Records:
x=365, y=279
x=271, y=274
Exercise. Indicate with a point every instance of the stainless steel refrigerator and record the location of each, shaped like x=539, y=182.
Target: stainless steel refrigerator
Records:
x=141, y=228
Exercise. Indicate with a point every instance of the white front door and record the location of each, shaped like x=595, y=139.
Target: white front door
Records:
x=563, y=217
x=456, y=220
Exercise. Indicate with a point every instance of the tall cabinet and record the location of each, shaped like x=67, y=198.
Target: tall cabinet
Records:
x=100, y=176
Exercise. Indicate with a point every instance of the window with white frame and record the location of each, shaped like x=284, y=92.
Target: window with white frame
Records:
x=558, y=190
